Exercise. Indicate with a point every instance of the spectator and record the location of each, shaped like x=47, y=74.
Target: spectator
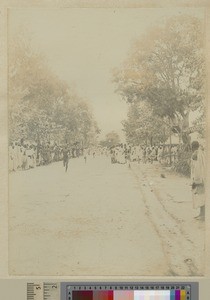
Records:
x=198, y=179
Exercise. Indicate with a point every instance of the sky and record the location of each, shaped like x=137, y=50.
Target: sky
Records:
x=83, y=46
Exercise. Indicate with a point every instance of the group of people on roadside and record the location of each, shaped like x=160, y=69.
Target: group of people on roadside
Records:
x=27, y=155
x=22, y=156
x=164, y=154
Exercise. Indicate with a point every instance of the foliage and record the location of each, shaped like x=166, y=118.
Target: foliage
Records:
x=143, y=126
x=166, y=69
x=111, y=139
x=182, y=165
x=199, y=122
x=41, y=106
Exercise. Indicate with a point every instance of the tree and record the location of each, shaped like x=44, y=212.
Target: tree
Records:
x=166, y=69
x=33, y=90
x=111, y=139
x=143, y=126
x=41, y=106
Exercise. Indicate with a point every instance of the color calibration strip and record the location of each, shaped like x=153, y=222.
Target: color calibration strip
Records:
x=130, y=295
x=144, y=292
x=112, y=291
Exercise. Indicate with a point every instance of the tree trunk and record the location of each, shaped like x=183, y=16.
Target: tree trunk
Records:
x=184, y=128
x=170, y=142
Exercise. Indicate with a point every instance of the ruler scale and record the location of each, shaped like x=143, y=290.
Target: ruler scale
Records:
x=127, y=292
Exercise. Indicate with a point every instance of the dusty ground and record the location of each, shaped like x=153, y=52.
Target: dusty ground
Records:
x=103, y=219
x=169, y=208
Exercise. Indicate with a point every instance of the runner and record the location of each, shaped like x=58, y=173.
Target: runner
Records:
x=66, y=154
x=85, y=155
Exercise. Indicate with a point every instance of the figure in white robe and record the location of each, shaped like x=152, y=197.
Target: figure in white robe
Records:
x=198, y=178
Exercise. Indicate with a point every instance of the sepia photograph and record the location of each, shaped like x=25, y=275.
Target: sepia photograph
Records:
x=107, y=141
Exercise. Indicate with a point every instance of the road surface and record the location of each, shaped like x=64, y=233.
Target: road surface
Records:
x=96, y=219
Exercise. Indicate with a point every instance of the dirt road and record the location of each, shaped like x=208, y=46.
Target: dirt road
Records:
x=101, y=219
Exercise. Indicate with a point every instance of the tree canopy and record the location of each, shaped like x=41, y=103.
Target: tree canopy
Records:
x=42, y=107
x=143, y=126
x=111, y=139
x=166, y=69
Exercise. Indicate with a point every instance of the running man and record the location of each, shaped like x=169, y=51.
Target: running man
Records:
x=66, y=154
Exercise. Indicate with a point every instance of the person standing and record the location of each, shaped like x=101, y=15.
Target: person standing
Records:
x=198, y=179
x=153, y=155
x=160, y=154
x=24, y=159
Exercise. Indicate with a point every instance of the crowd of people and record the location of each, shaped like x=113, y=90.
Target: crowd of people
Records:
x=164, y=154
x=27, y=155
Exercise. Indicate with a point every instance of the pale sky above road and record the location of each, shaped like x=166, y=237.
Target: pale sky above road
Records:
x=84, y=45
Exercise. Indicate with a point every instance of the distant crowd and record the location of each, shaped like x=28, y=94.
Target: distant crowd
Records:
x=164, y=154
x=26, y=155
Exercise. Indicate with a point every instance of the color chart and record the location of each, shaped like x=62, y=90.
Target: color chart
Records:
x=130, y=295
x=129, y=292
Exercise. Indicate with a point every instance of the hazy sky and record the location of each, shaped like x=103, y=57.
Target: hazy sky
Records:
x=84, y=45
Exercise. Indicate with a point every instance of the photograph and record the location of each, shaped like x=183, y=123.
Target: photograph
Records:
x=107, y=143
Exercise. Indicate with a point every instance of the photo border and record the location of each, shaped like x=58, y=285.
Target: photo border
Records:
x=4, y=122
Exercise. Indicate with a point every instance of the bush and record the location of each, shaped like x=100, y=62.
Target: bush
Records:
x=182, y=165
